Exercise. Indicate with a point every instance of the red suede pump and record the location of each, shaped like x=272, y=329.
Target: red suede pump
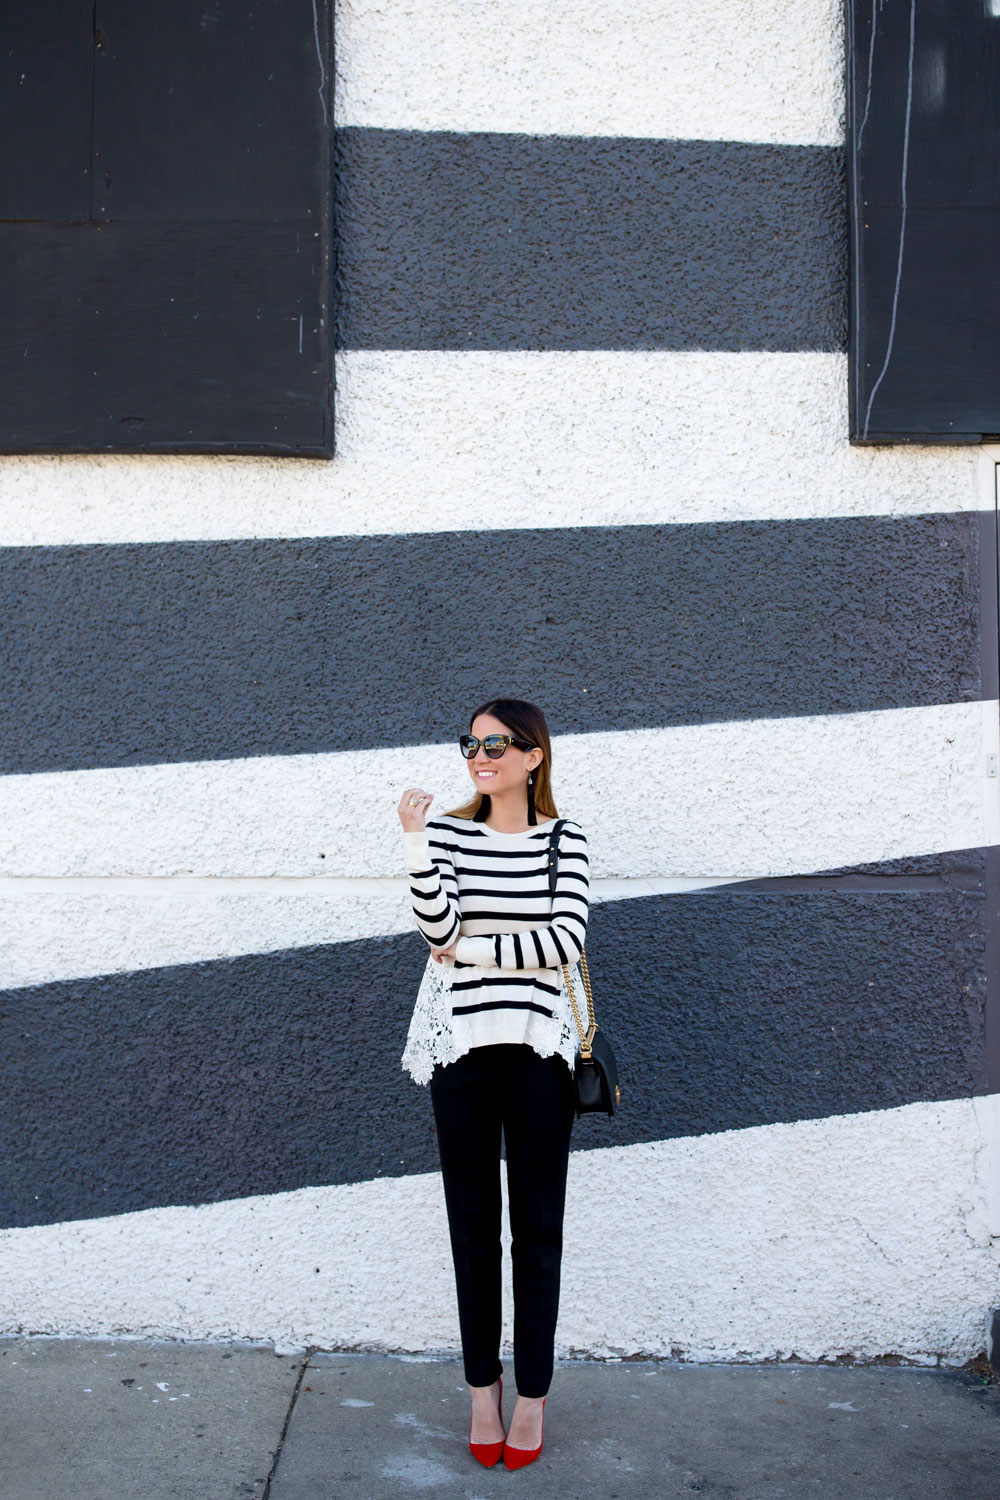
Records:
x=488, y=1453
x=520, y=1458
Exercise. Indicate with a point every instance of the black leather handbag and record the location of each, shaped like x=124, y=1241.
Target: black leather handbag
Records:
x=595, y=1074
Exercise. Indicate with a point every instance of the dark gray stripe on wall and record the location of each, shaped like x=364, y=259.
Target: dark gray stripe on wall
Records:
x=131, y=655
x=503, y=241
x=959, y=869
x=255, y=1075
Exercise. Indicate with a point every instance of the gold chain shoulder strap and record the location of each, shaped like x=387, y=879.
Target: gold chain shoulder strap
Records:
x=586, y=1036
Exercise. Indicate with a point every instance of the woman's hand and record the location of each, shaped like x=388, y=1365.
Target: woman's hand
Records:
x=440, y=954
x=413, y=808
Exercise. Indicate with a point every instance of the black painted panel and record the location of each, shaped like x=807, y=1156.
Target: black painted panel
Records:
x=944, y=375
x=502, y=241
x=254, y=1075
x=164, y=337
x=46, y=88
x=127, y=655
x=166, y=244
x=231, y=131
x=924, y=168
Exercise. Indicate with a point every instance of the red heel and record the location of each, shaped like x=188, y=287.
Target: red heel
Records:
x=488, y=1453
x=519, y=1458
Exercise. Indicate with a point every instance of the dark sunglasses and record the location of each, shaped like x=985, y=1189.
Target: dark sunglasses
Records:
x=493, y=744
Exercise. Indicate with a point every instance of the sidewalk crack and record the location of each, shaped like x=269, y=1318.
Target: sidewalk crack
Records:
x=284, y=1429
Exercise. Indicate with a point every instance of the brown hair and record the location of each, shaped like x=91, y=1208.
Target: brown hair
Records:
x=528, y=723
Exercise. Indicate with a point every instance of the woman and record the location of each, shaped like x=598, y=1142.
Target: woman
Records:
x=493, y=1032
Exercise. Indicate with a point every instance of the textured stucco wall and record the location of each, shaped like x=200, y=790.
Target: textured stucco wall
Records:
x=758, y=70
x=496, y=241
x=433, y=441
x=730, y=1008
x=655, y=626
x=225, y=670
x=740, y=799
x=861, y=1234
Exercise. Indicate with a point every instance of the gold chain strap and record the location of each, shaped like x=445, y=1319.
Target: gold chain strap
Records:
x=586, y=1037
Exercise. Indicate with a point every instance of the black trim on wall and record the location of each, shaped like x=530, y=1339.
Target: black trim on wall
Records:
x=451, y=240
x=137, y=654
x=989, y=594
x=728, y=1009
x=991, y=1027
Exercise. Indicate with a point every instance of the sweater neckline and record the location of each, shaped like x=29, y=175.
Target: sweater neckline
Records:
x=524, y=833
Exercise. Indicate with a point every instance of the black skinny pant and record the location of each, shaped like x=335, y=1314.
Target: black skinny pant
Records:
x=531, y=1099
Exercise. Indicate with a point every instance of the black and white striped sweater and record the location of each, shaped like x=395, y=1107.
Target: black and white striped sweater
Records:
x=490, y=890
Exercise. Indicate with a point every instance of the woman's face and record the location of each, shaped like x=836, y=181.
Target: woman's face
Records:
x=497, y=776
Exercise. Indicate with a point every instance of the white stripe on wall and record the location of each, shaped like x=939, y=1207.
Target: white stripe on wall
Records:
x=440, y=441
x=864, y=1234
x=76, y=928
x=762, y=70
x=67, y=935
x=740, y=799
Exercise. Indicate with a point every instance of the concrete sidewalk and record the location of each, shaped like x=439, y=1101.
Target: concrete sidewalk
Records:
x=117, y=1420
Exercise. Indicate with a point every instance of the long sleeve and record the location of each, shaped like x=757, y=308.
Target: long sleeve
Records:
x=433, y=888
x=559, y=941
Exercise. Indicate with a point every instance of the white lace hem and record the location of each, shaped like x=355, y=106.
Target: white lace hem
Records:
x=434, y=1037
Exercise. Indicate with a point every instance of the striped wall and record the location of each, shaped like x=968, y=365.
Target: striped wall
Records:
x=592, y=449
